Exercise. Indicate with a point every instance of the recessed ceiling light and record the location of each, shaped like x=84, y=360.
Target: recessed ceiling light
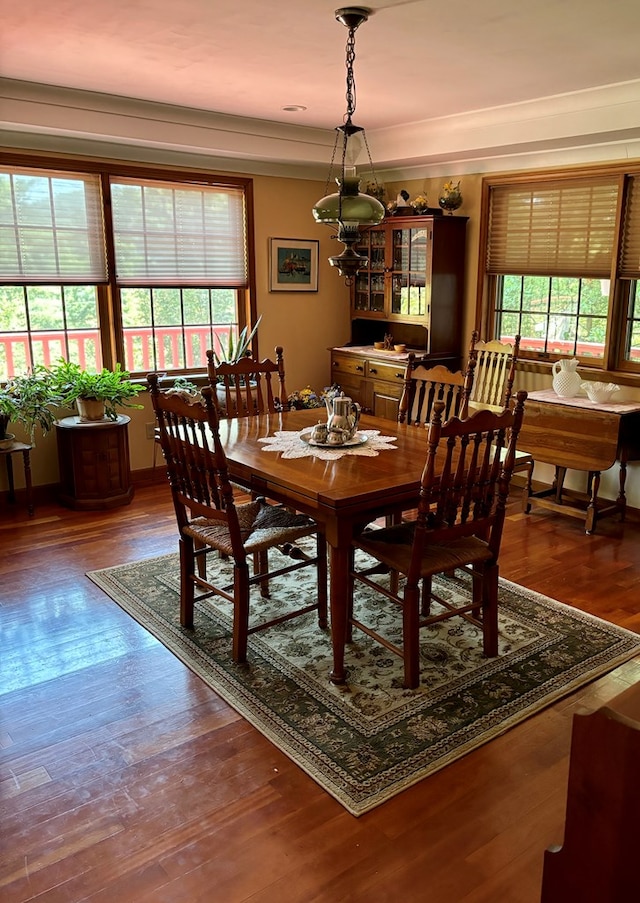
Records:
x=294, y=108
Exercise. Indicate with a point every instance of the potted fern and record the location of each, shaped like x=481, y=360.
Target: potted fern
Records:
x=28, y=399
x=95, y=395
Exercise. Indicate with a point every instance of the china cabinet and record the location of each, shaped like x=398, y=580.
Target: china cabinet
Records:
x=411, y=289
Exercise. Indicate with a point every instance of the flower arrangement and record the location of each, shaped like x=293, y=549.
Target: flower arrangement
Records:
x=451, y=198
x=307, y=398
x=451, y=187
x=420, y=203
x=303, y=398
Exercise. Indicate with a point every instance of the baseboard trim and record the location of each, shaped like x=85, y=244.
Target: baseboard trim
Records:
x=149, y=476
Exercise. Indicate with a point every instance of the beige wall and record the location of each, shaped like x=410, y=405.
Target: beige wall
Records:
x=306, y=324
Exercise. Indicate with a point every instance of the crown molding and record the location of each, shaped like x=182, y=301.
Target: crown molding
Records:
x=607, y=117
x=594, y=125
x=86, y=120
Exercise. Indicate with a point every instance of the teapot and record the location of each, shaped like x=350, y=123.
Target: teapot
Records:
x=566, y=379
x=342, y=414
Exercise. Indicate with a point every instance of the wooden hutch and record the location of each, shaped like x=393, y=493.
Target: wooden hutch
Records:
x=412, y=289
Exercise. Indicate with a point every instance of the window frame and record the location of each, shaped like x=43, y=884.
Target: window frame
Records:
x=108, y=294
x=613, y=364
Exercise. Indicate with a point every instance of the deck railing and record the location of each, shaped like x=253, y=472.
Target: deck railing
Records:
x=175, y=348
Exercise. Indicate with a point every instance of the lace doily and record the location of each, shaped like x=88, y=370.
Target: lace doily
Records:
x=290, y=445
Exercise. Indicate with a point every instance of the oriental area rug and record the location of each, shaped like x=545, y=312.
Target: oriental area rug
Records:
x=369, y=740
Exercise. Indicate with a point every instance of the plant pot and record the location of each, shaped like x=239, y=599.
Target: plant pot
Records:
x=4, y=423
x=221, y=393
x=6, y=440
x=451, y=201
x=90, y=409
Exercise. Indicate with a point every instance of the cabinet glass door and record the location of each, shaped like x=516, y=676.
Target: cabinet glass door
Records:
x=369, y=292
x=408, y=280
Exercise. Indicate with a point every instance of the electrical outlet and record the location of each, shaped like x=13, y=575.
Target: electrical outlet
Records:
x=151, y=430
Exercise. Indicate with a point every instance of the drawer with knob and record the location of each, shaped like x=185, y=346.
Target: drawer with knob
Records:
x=388, y=372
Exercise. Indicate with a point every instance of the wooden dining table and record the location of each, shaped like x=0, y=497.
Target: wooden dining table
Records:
x=341, y=495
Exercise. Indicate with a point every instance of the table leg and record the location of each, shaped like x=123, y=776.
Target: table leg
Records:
x=26, y=457
x=526, y=492
x=592, y=509
x=558, y=483
x=12, y=494
x=339, y=570
x=621, y=501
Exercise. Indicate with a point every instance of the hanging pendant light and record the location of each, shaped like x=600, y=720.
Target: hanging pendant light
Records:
x=349, y=208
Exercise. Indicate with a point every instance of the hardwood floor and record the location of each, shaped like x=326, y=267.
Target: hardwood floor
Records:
x=125, y=778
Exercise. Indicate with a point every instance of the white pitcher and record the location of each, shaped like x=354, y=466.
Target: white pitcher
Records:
x=566, y=380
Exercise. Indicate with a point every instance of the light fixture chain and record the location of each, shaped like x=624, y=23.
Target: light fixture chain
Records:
x=373, y=172
x=333, y=157
x=351, y=82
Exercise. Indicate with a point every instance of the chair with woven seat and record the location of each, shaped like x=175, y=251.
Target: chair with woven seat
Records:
x=423, y=386
x=461, y=511
x=209, y=519
x=247, y=387
x=495, y=370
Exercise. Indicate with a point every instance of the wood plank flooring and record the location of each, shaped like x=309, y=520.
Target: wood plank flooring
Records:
x=124, y=778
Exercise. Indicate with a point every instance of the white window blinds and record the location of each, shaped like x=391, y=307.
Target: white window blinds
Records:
x=630, y=248
x=553, y=229
x=51, y=227
x=169, y=233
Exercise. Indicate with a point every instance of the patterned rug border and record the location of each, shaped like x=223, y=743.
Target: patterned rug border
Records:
x=325, y=771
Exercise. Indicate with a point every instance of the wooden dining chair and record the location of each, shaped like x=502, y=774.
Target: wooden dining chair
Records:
x=461, y=510
x=423, y=386
x=247, y=387
x=210, y=520
x=495, y=369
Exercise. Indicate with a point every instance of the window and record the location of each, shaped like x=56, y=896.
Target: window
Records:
x=554, y=314
x=52, y=248
x=561, y=265
x=630, y=275
x=117, y=265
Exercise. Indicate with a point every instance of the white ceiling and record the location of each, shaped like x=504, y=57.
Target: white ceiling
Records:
x=430, y=72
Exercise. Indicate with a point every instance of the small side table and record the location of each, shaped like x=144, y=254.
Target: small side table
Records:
x=7, y=451
x=94, y=463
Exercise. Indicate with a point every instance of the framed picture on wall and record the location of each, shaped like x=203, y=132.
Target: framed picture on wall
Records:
x=293, y=265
